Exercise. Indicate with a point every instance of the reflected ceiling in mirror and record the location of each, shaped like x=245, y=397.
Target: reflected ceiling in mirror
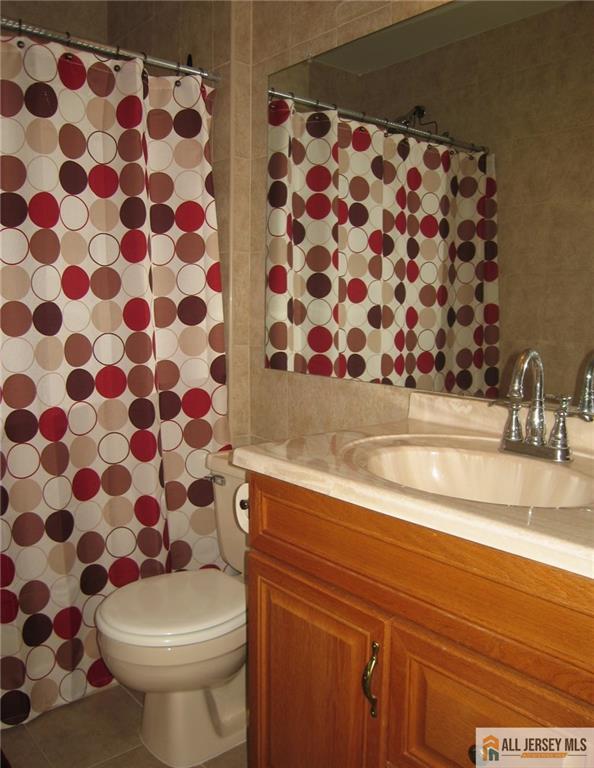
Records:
x=517, y=84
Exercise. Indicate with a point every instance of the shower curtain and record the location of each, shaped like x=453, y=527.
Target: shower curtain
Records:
x=113, y=361
x=382, y=256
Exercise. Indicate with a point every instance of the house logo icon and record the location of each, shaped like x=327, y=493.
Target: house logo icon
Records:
x=490, y=750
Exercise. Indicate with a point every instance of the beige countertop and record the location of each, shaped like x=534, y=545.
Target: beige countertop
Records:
x=562, y=537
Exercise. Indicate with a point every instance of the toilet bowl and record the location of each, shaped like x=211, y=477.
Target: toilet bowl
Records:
x=180, y=638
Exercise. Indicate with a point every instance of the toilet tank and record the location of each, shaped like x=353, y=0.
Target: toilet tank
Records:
x=232, y=540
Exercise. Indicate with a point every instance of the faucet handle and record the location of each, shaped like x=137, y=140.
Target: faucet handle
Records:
x=558, y=436
x=565, y=405
x=563, y=401
x=513, y=429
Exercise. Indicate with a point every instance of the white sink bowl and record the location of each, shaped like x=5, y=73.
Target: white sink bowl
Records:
x=473, y=469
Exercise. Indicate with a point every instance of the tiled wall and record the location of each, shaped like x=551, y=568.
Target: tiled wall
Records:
x=285, y=404
x=87, y=20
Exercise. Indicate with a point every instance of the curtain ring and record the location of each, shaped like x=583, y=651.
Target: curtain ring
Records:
x=20, y=27
x=144, y=58
x=177, y=72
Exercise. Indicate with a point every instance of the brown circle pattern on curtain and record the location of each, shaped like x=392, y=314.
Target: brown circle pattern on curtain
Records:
x=382, y=256
x=113, y=359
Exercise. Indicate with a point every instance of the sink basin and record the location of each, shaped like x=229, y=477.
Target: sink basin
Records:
x=473, y=469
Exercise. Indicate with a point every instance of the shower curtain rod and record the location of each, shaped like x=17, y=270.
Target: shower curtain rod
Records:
x=388, y=124
x=111, y=51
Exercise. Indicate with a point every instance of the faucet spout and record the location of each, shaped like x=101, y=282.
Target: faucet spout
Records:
x=535, y=424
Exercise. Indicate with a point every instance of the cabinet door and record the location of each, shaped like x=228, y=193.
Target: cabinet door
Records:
x=308, y=648
x=440, y=692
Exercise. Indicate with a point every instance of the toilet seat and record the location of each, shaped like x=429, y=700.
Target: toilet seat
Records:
x=174, y=609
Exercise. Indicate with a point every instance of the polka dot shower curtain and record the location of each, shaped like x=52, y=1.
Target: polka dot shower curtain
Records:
x=113, y=363
x=382, y=256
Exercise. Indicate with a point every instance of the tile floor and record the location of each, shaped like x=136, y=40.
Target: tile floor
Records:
x=100, y=731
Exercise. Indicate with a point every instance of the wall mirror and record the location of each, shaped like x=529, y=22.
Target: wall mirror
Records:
x=398, y=258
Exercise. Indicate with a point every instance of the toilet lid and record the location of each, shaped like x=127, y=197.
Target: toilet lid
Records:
x=174, y=609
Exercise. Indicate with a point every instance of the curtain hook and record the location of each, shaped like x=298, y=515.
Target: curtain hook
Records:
x=68, y=55
x=20, y=43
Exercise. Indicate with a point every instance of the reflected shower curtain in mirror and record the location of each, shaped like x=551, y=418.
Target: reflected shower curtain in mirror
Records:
x=382, y=256
x=113, y=362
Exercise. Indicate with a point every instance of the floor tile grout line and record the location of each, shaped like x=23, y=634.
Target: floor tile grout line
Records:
x=37, y=744
x=113, y=757
x=131, y=695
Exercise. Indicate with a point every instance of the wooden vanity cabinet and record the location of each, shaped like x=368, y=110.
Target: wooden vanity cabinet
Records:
x=467, y=636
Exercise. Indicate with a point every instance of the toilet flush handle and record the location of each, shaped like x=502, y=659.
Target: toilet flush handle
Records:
x=216, y=479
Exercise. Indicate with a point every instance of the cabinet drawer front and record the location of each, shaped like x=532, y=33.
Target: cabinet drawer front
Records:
x=308, y=650
x=440, y=692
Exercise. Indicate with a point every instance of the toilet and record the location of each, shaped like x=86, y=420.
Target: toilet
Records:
x=181, y=639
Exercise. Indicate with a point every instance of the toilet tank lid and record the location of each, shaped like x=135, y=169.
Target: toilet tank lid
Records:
x=220, y=463
x=174, y=609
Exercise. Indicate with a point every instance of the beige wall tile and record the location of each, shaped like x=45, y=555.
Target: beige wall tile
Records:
x=222, y=115
x=320, y=404
x=268, y=399
x=405, y=9
x=271, y=34
x=240, y=202
x=312, y=47
x=364, y=25
x=309, y=19
x=87, y=20
x=258, y=203
x=194, y=21
x=239, y=390
x=241, y=298
x=242, y=111
x=242, y=32
x=221, y=33
x=352, y=9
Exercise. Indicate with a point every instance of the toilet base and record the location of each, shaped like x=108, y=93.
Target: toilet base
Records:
x=178, y=730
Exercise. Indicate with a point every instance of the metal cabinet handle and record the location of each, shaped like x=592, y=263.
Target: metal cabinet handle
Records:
x=367, y=678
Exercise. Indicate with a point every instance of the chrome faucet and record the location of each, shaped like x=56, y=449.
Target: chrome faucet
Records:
x=535, y=426
x=585, y=409
x=533, y=443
